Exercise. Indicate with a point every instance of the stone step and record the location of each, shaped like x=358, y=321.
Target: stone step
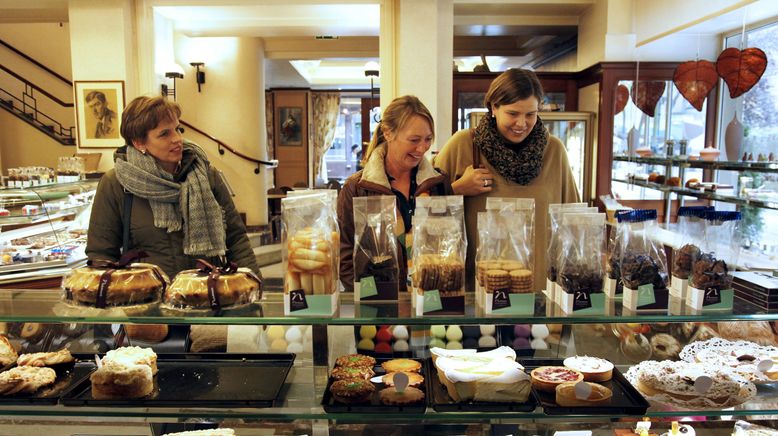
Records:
x=268, y=254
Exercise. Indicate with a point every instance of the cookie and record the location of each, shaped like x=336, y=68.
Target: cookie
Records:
x=391, y=397
x=352, y=391
x=406, y=365
x=352, y=372
x=25, y=379
x=357, y=360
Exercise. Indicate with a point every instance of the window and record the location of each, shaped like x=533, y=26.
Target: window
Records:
x=341, y=161
x=757, y=110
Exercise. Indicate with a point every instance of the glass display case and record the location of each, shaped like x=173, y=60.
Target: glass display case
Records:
x=43, y=230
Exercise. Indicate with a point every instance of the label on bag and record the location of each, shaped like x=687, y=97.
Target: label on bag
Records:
x=712, y=296
x=367, y=287
x=582, y=300
x=646, y=296
x=297, y=300
x=500, y=299
x=432, y=301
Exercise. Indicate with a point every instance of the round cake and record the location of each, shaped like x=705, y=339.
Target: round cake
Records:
x=137, y=284
x=190, y=289
x=121, y=380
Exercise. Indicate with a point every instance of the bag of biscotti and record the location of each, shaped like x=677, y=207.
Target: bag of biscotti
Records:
x=581, y=267
x=310, y=252
x=376, y=264
x=689, y=231
x=710, y=282
x=438, y=255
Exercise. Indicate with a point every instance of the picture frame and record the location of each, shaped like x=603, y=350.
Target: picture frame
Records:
x=99, y=106
x=290, y=126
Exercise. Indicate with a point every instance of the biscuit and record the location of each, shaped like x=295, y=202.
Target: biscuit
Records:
x=306, y=282
x=292, y=281
x=25, y=379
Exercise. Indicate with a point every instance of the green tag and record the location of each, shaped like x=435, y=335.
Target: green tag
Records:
x=597, y=305
x=646, y=295
x=367, y=287
x=521, y=304
x=432, y=301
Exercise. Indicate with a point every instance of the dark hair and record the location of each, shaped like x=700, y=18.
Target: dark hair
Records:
x=511, y=86
x=95, y=95
x=144, y=114
x=395, y=117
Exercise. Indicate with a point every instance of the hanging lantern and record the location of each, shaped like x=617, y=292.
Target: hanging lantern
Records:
x=741, y=69
x=695, y=80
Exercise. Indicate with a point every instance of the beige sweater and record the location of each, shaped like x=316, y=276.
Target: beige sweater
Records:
x=554, y=184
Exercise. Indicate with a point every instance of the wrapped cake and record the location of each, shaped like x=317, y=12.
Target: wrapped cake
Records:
x=213, y=288
x=104, y=283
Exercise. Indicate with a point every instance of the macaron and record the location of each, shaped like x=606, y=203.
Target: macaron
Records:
x=383, y=335
x=521, y=344
x=279, y=345
x=275, y=332
x=438, y=331
x=366, y=344
x=294, y=334
x=454, y=345
x=487, y=342
x=400, y=332
x=454, y=333
x=367, y=331
x=437, y=343
x=383, y=348
x=471, y=331
x=294, y=347
x=522, y=330
x=400, y=345
x=539, y=344
x=470, y=343
x=487, y=330
x=540, y=331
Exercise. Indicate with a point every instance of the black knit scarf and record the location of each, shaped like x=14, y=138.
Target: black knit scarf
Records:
x=519, y=163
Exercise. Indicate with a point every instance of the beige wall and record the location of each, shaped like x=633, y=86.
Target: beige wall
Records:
x=24, y=145
x=229, y=107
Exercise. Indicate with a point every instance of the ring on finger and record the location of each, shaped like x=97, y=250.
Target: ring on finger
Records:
x=486, y=182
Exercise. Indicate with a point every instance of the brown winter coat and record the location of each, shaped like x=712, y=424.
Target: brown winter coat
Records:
x=104, y=239
x=373, y=180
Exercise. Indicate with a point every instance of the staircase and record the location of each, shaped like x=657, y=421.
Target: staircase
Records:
x=39, y=120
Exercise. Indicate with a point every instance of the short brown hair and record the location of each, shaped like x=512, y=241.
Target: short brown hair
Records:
x=511, y=86
x=395, y=117
x=144, y=114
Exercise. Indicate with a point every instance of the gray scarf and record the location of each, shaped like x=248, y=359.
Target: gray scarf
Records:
x=188, y=205
x=519, y=163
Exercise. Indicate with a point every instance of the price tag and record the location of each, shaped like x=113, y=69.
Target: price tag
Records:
x=703, y=384
x=582, y=390
x=764, y=365
x=98, y=362
x=400, y=381
x=367, y=287
x=432, y=301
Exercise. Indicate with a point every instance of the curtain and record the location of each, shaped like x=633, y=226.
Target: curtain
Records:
x=326, y=107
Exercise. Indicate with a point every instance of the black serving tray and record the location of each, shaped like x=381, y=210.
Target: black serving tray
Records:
x=68, y=374
x=330, y=405
x=442, y=402
x=626, y=399
x=202, y=380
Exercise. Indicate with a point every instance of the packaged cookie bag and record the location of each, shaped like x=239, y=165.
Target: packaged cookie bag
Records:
x=438, y=256
x=691, y=224
x=504, y=258
x=643, y=262
x=311, y=243
x=710, y=282
x=375, y=249
x=555, y=212
x=581, y=266
x=613, y=287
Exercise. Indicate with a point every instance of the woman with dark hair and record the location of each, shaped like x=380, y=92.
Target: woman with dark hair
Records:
x=509, y=154
x=177, y=205
x=394, y=164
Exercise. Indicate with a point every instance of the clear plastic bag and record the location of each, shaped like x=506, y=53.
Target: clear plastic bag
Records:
x=583, y=245
x=212, y=287
x=504, y=257
x=643, y=260
x=714, y=267
x=375, y=246
x=439, y=246
x=104, y=283
x=613, y=252
x=555, y=212
x=691, y=224
x=311, y=243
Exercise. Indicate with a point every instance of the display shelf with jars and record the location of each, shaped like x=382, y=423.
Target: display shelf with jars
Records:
x=43, y=230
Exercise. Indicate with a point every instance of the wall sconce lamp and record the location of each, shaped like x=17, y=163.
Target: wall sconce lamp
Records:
x=371, y=71
x=199, y=75
x=177, y=73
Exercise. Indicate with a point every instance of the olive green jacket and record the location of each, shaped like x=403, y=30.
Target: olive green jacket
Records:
x=104, y=239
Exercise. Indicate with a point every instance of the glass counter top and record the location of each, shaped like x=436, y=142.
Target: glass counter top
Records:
x=47, y=306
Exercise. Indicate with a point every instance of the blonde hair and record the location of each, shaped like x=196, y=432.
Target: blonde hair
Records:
x=394, y=118
x=144, y=114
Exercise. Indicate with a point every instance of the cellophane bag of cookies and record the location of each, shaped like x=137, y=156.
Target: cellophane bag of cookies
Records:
x=311, y=251
x=613, y=287
x=712, y=271
x=555, y=213
x=691, y=224
x=581, y=269
x=438, y=254
x=644, y=271
x=375, y=248
x=504, y=257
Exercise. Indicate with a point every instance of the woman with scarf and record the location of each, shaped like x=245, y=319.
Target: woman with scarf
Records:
x=518, y=158
x=177, y=205
x=395, y=165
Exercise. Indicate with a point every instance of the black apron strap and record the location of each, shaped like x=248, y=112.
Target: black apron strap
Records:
x=126, y=216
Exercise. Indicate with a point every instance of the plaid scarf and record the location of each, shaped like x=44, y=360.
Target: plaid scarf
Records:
x=519, y=163
x=189, y=204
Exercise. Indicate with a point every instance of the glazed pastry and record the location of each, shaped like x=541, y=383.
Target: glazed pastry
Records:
x=391, y=397
x=414, y=378
x=352, y=372
x=359, y=360
x=25, y=379
x=45, y=359
x=593, y=368
x=665, y=347
x=352, y=391
x=599, y=395
x=547, y=378
x=8, y=354
x=406, y=365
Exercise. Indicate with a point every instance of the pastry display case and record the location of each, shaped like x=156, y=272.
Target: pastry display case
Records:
x=43, y=230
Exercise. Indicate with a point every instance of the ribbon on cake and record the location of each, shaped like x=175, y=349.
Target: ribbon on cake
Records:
x=213, y=272
x=124, y=262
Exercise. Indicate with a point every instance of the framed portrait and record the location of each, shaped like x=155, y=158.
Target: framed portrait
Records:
x=99, y=106
x=290, y=126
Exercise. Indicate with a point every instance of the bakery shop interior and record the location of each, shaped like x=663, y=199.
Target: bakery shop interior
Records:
x=429, y=217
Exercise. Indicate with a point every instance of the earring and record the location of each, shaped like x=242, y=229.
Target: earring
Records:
x=143, y=151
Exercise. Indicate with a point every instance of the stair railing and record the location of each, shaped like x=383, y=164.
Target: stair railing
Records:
x=222, y=146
